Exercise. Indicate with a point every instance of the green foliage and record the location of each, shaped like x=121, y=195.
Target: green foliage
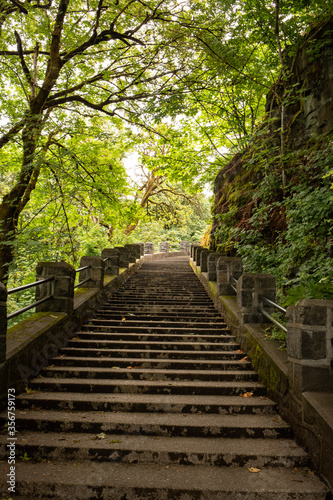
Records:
x=311, y=290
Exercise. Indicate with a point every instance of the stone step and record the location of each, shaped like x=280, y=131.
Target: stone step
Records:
x=221, y=452
x=172, y=301
x=116, y=481
x=190, y=316
x=156, y=424
x=149, y=344
x=133, y=373
x=172, y=317
x=93, y=332
x=152, y=353
x=162, y=309
x=189, y=387
x=175, y=364
x=223, y=405
x=174, y=325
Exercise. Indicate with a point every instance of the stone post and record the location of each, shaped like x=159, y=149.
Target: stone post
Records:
x=309, y=346
x=149, y=248
x=196, y=251
x=95, y=273
x=184, y=246
x=251, y=287
x=164, y=246
x=111, y=267
x=135, y=251
x=142, y=249
x=193, y=247
x=226, y=269
x=204, y=260
x=123, y=257
x=62, y=287
x=211, y=265
x=3, y=322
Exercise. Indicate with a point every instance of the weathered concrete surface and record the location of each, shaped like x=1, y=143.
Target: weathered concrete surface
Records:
x=161, y=408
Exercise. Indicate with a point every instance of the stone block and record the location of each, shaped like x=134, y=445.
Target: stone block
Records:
x=251, y=288
x=123, y=257
x=311, y=378
x=94, y=274
x=164, y=246
x=110, y=257
x=149, y=248
x=197, y=252
x=142, y=249
x=184, y=246
x=62, y=287
x=204, y=260
x=134, y=251
x=211, y=264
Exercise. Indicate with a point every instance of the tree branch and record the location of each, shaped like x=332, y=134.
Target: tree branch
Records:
x=23, y=63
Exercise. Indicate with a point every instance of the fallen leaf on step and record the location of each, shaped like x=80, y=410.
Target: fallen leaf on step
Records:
x=102, y=435
x=244, y=359
x=124, y=319
x=240, y=351
x=247, y=395
x=253, y=469
x=129, y=368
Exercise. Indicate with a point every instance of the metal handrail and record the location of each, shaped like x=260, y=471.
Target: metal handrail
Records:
x=27, y=308
x=30, y=285
x=83, y=281
x=234, y=281
x=26, y=287
x=269, y=316
x=82, y=268
x=271, y=303
x=273, y=320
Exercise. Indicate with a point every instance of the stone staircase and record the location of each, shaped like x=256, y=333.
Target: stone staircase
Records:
x=153, y=399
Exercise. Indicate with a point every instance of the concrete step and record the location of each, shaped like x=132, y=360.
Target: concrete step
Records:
x=171, y=317
x=152, y=353
x=188, y=387
x=93, y=332
x=148, y=373
x=149, y=345
x=117, y=481
x=154, y=403
x=138, y=323
x=175, y=364
x=221, y=452
x=155, y=424
x=162, y=309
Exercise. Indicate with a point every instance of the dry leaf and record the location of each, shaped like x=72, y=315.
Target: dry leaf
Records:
x=253, y=469
x=101, y=436
x=247, y=395
x=124, y=319
x=244, y=359
x=240, y=351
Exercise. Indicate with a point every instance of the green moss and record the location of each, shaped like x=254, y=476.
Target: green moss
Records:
x=22, y=328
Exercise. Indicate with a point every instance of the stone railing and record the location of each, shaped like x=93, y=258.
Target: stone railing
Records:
x=300, y=378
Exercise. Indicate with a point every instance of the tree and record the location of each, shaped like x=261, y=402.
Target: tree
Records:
x=82, y=57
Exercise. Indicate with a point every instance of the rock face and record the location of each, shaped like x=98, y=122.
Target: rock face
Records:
x=311, y=69
x=309, y=114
